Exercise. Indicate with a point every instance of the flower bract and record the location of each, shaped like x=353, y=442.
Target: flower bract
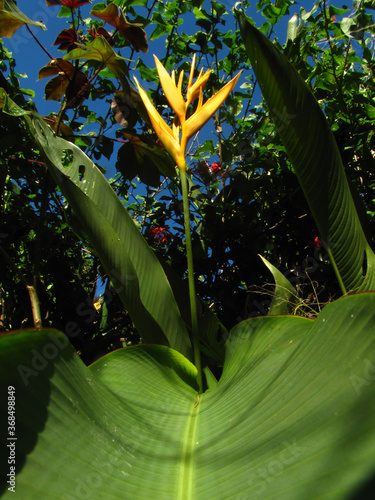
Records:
x=176, y=138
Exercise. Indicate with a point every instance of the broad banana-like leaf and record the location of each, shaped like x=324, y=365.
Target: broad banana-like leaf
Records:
x=292, y=416
x=314, y=154
x=134, y=270
x=284, y=297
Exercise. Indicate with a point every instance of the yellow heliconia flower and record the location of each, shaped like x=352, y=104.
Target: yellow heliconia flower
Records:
x=175, y=139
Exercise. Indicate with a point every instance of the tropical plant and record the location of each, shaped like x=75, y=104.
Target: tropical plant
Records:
x=290, y=410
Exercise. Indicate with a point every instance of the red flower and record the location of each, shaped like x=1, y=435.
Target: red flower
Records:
x=333, y=18
x=317, y=242
x=160, y=235
x=215, y=167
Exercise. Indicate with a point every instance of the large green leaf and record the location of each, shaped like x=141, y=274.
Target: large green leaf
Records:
x=135, y=272
x=291, y=417
x=313, y=152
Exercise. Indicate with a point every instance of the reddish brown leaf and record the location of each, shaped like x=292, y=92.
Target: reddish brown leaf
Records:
x=102, y=32
x=132, y=32
x=78, y=91
x=55, y=67
x=72, y=4
x=68, y=81
x=124, y=108
x=136, y=36
x=67, y=40
x=56, y=88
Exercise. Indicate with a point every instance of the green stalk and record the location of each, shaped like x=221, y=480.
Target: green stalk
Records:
x=193, y=302
x=338, y=276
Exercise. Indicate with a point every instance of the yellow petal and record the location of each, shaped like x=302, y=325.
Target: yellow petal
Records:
x=191, y=72
x=180, y=79
x=171, y=92
x=202, y=115
x=200, y=100
x=162, y=130
x=176, y=129
x=193, y=92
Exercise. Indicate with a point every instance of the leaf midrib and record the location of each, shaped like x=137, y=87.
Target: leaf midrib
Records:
x=186, y=472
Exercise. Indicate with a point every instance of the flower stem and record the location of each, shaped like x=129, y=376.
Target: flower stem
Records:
x=193, y=302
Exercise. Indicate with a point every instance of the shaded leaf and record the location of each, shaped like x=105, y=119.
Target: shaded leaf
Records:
x=9, y=107
x=123, y=108
x=71, y=81
x=55, y=67
x=64, y=130
x=132, y=32
x=148, y=152
x=94, y=32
